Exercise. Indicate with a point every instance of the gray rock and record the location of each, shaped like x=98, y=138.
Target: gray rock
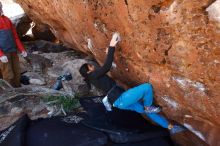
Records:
x=37, y=82
x=39, y=63
x=79, y=89
x=35, y=78
x=73, y=67
x=16, y=110
x=78, y=84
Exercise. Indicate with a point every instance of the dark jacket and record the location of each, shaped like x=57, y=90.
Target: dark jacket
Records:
x=9, y=41
x=101, y=80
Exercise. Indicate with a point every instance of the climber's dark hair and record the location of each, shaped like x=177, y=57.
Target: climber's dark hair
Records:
x=83, y=71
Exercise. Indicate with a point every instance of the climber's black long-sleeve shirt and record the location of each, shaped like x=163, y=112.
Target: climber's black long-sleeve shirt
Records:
x=101, y=80
x=99, y=77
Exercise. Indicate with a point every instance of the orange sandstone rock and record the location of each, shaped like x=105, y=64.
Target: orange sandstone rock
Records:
x=175, y=44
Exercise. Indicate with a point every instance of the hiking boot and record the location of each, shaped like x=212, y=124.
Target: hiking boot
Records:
x=152, y=109
x=177, y=129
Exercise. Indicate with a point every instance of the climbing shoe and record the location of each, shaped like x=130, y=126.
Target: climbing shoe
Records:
x=152, y=109
x=177, y=129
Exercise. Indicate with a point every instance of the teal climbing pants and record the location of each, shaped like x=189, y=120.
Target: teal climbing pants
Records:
x=136, y=98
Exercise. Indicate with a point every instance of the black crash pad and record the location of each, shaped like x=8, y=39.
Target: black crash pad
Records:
x=63, y=131
x=15, y=135
x=162, y=141
x=122, y=126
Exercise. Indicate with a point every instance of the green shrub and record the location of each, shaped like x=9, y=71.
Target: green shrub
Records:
x=68, y=103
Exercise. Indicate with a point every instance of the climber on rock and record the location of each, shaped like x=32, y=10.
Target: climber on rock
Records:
x=9, y=46
x=139, y=98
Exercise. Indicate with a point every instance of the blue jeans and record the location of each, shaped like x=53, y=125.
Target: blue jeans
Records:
x=136, y=98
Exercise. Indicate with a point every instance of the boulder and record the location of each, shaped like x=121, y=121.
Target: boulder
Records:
x=35, y=78
x=13, y=109
x=39, y=63
x=43, y=32
x=45, y=46
x=4, y=85
x=22, y=23
x=77, y=84
x=24, y=64
x=172, y=43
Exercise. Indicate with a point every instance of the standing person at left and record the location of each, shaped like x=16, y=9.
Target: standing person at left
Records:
x=10, y=46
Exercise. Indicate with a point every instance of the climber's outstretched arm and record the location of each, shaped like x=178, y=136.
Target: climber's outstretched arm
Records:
x=110, y=56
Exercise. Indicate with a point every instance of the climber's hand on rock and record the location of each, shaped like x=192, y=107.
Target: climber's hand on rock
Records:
x=24, y=54
x=4, y=59
x=115, y=39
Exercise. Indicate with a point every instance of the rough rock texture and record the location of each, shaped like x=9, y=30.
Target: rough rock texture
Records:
x=43, y=32
x=15, y=102
x=11, y=110
x=22, y=23
x=172, y=43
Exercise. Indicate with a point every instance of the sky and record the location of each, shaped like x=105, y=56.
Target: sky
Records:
x=11, y=8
